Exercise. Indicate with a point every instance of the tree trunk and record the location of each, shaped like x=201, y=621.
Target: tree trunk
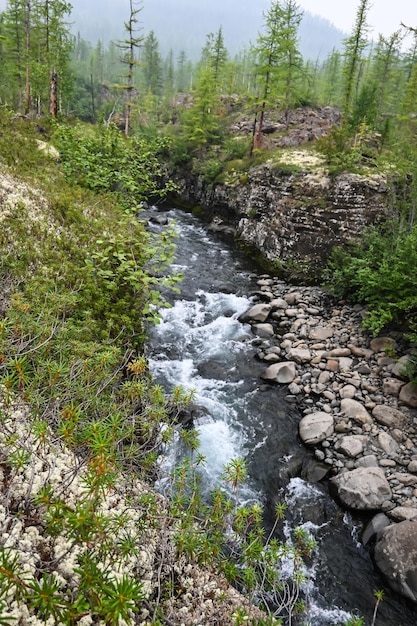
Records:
x=53, y=101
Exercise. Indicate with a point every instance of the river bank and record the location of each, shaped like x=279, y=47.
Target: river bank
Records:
x=358, y=410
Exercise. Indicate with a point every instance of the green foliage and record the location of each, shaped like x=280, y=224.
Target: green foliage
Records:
x=103, y=160
x=228, y=535
x=381, y=272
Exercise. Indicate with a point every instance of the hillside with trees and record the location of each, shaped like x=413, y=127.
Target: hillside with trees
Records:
x=91, y=132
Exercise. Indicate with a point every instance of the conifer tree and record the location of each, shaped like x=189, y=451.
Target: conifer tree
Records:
x=129, y=47
x=279, y=60
x=355, y=45
x=151, y=64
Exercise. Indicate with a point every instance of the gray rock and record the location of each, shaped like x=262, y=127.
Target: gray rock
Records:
x=316, y=427
x=351, y=446
x=388, y=416
x=372, y=528
x=392, y=386
x=408, y=395
x=355, y=410
x=348, y=391
x=300, y=355
x=396, y=557
x=263, y=330
x=257, y=313
x=279, y=303
x=387, y=443
x=401, y=513
x=364, y=488
x=400, y=368
x=321, y=332
x=283, y=372
x=369, y=460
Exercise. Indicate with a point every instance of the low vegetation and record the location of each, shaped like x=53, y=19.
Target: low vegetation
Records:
x=84, y=538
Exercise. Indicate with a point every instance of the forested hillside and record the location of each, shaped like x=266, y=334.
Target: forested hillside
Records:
x=91, y=132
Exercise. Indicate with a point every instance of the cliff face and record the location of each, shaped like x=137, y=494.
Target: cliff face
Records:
x=290, y=216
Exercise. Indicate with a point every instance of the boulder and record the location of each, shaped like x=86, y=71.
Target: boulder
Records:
x=283, y=372
x=388, y=416
x=257, y=313
x=355, y=410
x=300, y=355
x=382, y=344
x=316, y=427
x=263, y=330
x=408, y=395
x=373, y=527
x=351, y=446
x=392, y=386
x=396, y=557
x=400, y=368
x=387, y=443
x=364, y=488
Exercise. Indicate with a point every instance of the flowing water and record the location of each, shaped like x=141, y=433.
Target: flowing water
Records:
x=201, y=345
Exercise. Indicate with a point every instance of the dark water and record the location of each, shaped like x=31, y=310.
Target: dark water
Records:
x=201, y=345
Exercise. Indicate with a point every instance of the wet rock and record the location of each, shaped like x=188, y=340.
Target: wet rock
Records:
x=313, y=471
x=396, y=557
x=362, y=488
x=257, y=313
x=263, y=330
x=372, y=528
x=283, y=372
x=316, y=427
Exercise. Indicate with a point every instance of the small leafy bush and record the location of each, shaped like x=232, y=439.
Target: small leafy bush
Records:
x=381, y=273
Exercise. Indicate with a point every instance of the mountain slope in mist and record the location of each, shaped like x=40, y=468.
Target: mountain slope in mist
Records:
x=184, y=24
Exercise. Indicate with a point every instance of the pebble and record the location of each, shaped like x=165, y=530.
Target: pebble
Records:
x=337, y=363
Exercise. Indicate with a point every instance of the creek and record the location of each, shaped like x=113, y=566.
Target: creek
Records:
x=200, y=344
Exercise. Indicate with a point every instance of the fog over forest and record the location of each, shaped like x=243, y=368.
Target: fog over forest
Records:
x=184, y=24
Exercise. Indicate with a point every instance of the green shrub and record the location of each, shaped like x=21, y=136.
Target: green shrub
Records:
x=381, y=272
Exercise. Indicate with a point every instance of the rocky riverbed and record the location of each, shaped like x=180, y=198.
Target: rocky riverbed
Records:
x=359, y=411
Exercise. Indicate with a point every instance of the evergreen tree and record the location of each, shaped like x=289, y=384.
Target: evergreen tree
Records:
x=151, y=63
x=279, y=60
x=53, y=48
x=129, y=46
x=386, y=64
x=13, y=57
x=218, y=57
x=355, y=45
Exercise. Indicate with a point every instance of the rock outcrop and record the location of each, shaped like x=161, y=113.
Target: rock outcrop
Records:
x=289, y=214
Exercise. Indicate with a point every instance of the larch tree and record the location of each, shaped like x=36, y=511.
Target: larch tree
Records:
x=354, y=47
x=13, y=54
x=129, y=47
x=279, y=62
x=52, y=53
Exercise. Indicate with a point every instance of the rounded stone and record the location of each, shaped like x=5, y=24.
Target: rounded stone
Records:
x=316, y=427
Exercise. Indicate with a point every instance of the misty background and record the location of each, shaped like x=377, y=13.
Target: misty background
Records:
x=182, y=25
